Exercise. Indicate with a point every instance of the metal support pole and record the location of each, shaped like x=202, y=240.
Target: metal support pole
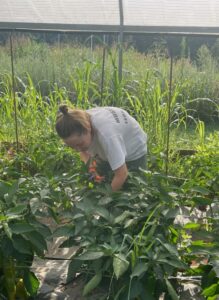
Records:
x=121, y=39
x=103, y=67
x=92, y=46
x=169, y=109
x=91, y=43
x=13, y=92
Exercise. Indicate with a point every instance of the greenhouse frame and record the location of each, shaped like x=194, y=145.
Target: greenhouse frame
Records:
x=128, y=16
x=109, y=149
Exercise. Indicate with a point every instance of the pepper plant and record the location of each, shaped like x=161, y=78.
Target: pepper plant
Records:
x=123, y=239
x=21, y=237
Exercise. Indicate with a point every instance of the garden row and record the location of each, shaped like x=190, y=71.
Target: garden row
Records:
x=128, y=242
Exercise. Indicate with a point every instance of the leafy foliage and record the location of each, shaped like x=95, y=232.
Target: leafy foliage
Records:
x=124, y=237
x=21, y=236
x=128, y=242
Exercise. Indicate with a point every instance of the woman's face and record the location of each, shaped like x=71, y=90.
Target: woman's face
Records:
x=80, y=143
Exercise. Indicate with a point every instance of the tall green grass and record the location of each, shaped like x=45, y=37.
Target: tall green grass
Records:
x=46, y=76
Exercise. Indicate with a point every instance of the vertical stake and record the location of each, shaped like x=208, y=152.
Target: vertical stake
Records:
x=13, y=91
x=121, y=39
x=103, y=68
x=169, y=107
x=92, y=46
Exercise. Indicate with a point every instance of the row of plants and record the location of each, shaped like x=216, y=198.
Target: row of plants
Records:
x=26, y=197
x=148, y=103
x=127, y=242
x=21, y=237
x=78, y=71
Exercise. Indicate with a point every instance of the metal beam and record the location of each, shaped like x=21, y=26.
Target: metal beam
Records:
x=110, y=28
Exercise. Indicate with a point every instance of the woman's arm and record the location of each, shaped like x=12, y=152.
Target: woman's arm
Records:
x=120, y=176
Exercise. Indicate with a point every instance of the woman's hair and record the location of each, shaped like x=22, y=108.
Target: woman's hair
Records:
x=71, y=121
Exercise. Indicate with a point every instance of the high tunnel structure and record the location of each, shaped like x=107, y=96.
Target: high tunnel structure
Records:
x=133, y=16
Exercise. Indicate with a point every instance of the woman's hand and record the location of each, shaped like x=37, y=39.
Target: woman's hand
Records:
x=93, y=171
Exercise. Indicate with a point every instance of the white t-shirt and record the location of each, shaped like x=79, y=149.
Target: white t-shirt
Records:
x=117, y=137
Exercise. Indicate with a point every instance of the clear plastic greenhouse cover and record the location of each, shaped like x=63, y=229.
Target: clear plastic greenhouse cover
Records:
x=169, y=16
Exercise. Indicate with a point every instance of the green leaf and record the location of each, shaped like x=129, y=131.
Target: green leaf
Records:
x=65, y=230
x=175, y=263
x=120, y=265
x=215, y=264
x=215, y=297
x=105, y=200
x=204, y=235
x=92, y=284
x=77, y=216
x=139, y=269
x=53, y=214
x=170, y=248
x=3, y=218
x=73, y=268
x=122, y=217
x=192, y=226
x=21, y=245
x=171, y=290
x=70, y=242
x=79, y=225
x=35, y=205
x=200, y=250
x=90, y=255
x=21, y=227
x=104, y=213
x=129, y=222
x=120, y=291
x=86, y=205
x=202, y=243
x=202, y=201
x=210, y=290
x=43, y=229
x=44, y=193
x=200, y=190
x=171, y=213
x=150, y=287
x=17, y=210
x=7, y=230
x=10, y=191
x=21, y=180
x=4, y=188
x=37, y=240
x=31, y=283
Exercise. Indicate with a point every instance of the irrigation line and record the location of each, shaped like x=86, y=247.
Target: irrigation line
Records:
x=169, y=106
x=55, y=258
x=186, y=278
x=13, y=91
